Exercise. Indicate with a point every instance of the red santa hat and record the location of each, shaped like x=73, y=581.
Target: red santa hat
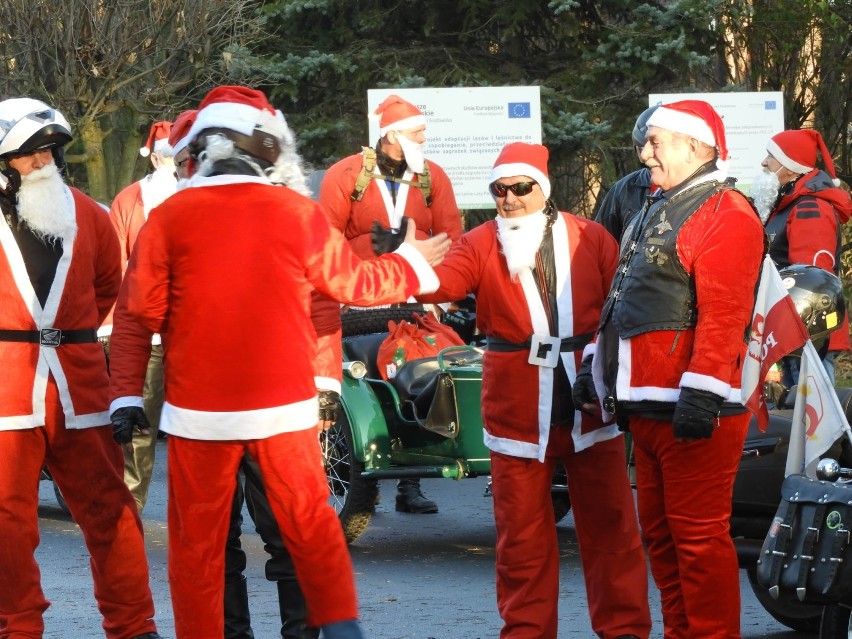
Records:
x=796, y=151
x=395, y=114
x=158, y=138
x=179, y=136
x=239, y=109
x=520, y=158
x=696, y=119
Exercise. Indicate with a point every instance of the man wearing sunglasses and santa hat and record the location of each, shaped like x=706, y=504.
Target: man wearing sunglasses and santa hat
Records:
x=540, y=277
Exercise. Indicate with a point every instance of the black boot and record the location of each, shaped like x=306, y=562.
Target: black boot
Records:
x=409, y=499
x=294, y=612
x=237, y=618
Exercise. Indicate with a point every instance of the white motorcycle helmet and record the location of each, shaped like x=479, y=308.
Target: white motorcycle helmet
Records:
x=28, y=125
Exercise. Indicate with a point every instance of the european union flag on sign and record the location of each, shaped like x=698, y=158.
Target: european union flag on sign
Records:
x=770, y=105
x=519, y=109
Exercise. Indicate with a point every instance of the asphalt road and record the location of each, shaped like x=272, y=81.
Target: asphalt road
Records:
x=419, y=576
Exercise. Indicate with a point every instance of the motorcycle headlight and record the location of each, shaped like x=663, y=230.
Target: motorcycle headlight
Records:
x=355, y=369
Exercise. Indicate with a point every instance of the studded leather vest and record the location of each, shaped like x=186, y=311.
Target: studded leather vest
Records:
x=651, y=290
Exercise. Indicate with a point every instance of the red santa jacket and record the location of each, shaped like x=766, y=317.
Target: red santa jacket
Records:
x=815, y=210
x=225, y=269
x=84, y=288
x=355, y=219
x=516, y=394
x=721, y=247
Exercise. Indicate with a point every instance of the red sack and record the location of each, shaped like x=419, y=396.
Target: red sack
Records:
x=407, y=341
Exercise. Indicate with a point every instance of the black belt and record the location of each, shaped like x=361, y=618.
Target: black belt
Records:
x=50, y=336
x=566, y=344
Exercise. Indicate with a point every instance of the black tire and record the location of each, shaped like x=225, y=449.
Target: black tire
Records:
x=787, y=609
x=560, y=498
x=836, y=623
x=61, y=499
x=352, y=496
x=363, y=321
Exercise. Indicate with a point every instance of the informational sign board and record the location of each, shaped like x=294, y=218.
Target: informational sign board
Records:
x=750, y=118
x=466, y=128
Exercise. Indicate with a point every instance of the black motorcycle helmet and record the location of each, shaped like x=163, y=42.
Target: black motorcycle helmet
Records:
x=28, y=125
x=818, y=296
x=640, y=129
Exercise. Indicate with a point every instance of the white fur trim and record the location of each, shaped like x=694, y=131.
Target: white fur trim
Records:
x=327, y=384
x=684, y=123
x=787, y=162
x=124, y=402
x=429, y=282
x=241, y=118
x=511, y=446
x=239, y=425
x=404, y=124
x=711, y=385
x=518, y=169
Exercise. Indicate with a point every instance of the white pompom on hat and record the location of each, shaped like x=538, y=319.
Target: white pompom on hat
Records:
x=797, y=150
x=520, y=158
x=395, y=114
x=696, y=119
x=158, y=138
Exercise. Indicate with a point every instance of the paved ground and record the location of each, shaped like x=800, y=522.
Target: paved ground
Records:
x=419, y=576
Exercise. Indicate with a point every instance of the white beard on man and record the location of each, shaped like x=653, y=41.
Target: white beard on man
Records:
x=520, y=239
x=46, y=205
x=413, y=153
x=764, y=193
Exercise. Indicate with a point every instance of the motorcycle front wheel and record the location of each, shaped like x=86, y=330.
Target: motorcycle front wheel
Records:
x=836, y=623
x=787, y=609
x=352, y=496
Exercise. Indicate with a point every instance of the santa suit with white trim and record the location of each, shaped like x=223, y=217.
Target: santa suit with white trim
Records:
x=528, y=439
x=685, y=486
x=53, y=410
x=226, y=253
x=128, y=212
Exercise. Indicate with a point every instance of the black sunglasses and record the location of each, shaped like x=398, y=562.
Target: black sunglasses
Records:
x=519, y=189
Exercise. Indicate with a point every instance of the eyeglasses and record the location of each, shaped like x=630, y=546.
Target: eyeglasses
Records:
x=520, y=189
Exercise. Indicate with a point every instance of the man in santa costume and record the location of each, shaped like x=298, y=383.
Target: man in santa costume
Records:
x=540, y=277
x=803, y=208
x=59, y=275
x=235, y=249
x=668, y=360
x=371, y=195
x=130, y=350
x=128, y=213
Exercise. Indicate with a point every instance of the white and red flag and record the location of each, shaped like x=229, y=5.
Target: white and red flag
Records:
x=818, y=417
x=776, y=330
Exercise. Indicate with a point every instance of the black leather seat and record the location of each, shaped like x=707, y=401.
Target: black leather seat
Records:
x=365, y=348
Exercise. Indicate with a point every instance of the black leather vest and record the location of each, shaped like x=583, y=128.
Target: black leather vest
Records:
x=651, y=290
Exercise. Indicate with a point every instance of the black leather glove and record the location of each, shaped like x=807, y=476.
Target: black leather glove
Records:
x=387, y=240
x=696, y=414
x=329, y=406
x=584, y=391
x=124, y=420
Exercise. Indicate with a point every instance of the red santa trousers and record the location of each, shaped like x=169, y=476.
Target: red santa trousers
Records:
x=684, y=500
x=611, y=552
x=201, y=488
x=87, y=465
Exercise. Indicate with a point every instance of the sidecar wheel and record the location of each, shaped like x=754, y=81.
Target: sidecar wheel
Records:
x=364, y=321
x=787, y=609
x=352, y=496
x=836, y=623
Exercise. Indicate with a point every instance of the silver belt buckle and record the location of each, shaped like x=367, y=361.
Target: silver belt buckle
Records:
x=51, y=337
x=544, y=350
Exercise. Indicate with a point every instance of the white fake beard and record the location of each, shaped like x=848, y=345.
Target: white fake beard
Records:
x=161, y=185
x=520, y=238
x=764, y=192
x=46, y=205
x=413, y=153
